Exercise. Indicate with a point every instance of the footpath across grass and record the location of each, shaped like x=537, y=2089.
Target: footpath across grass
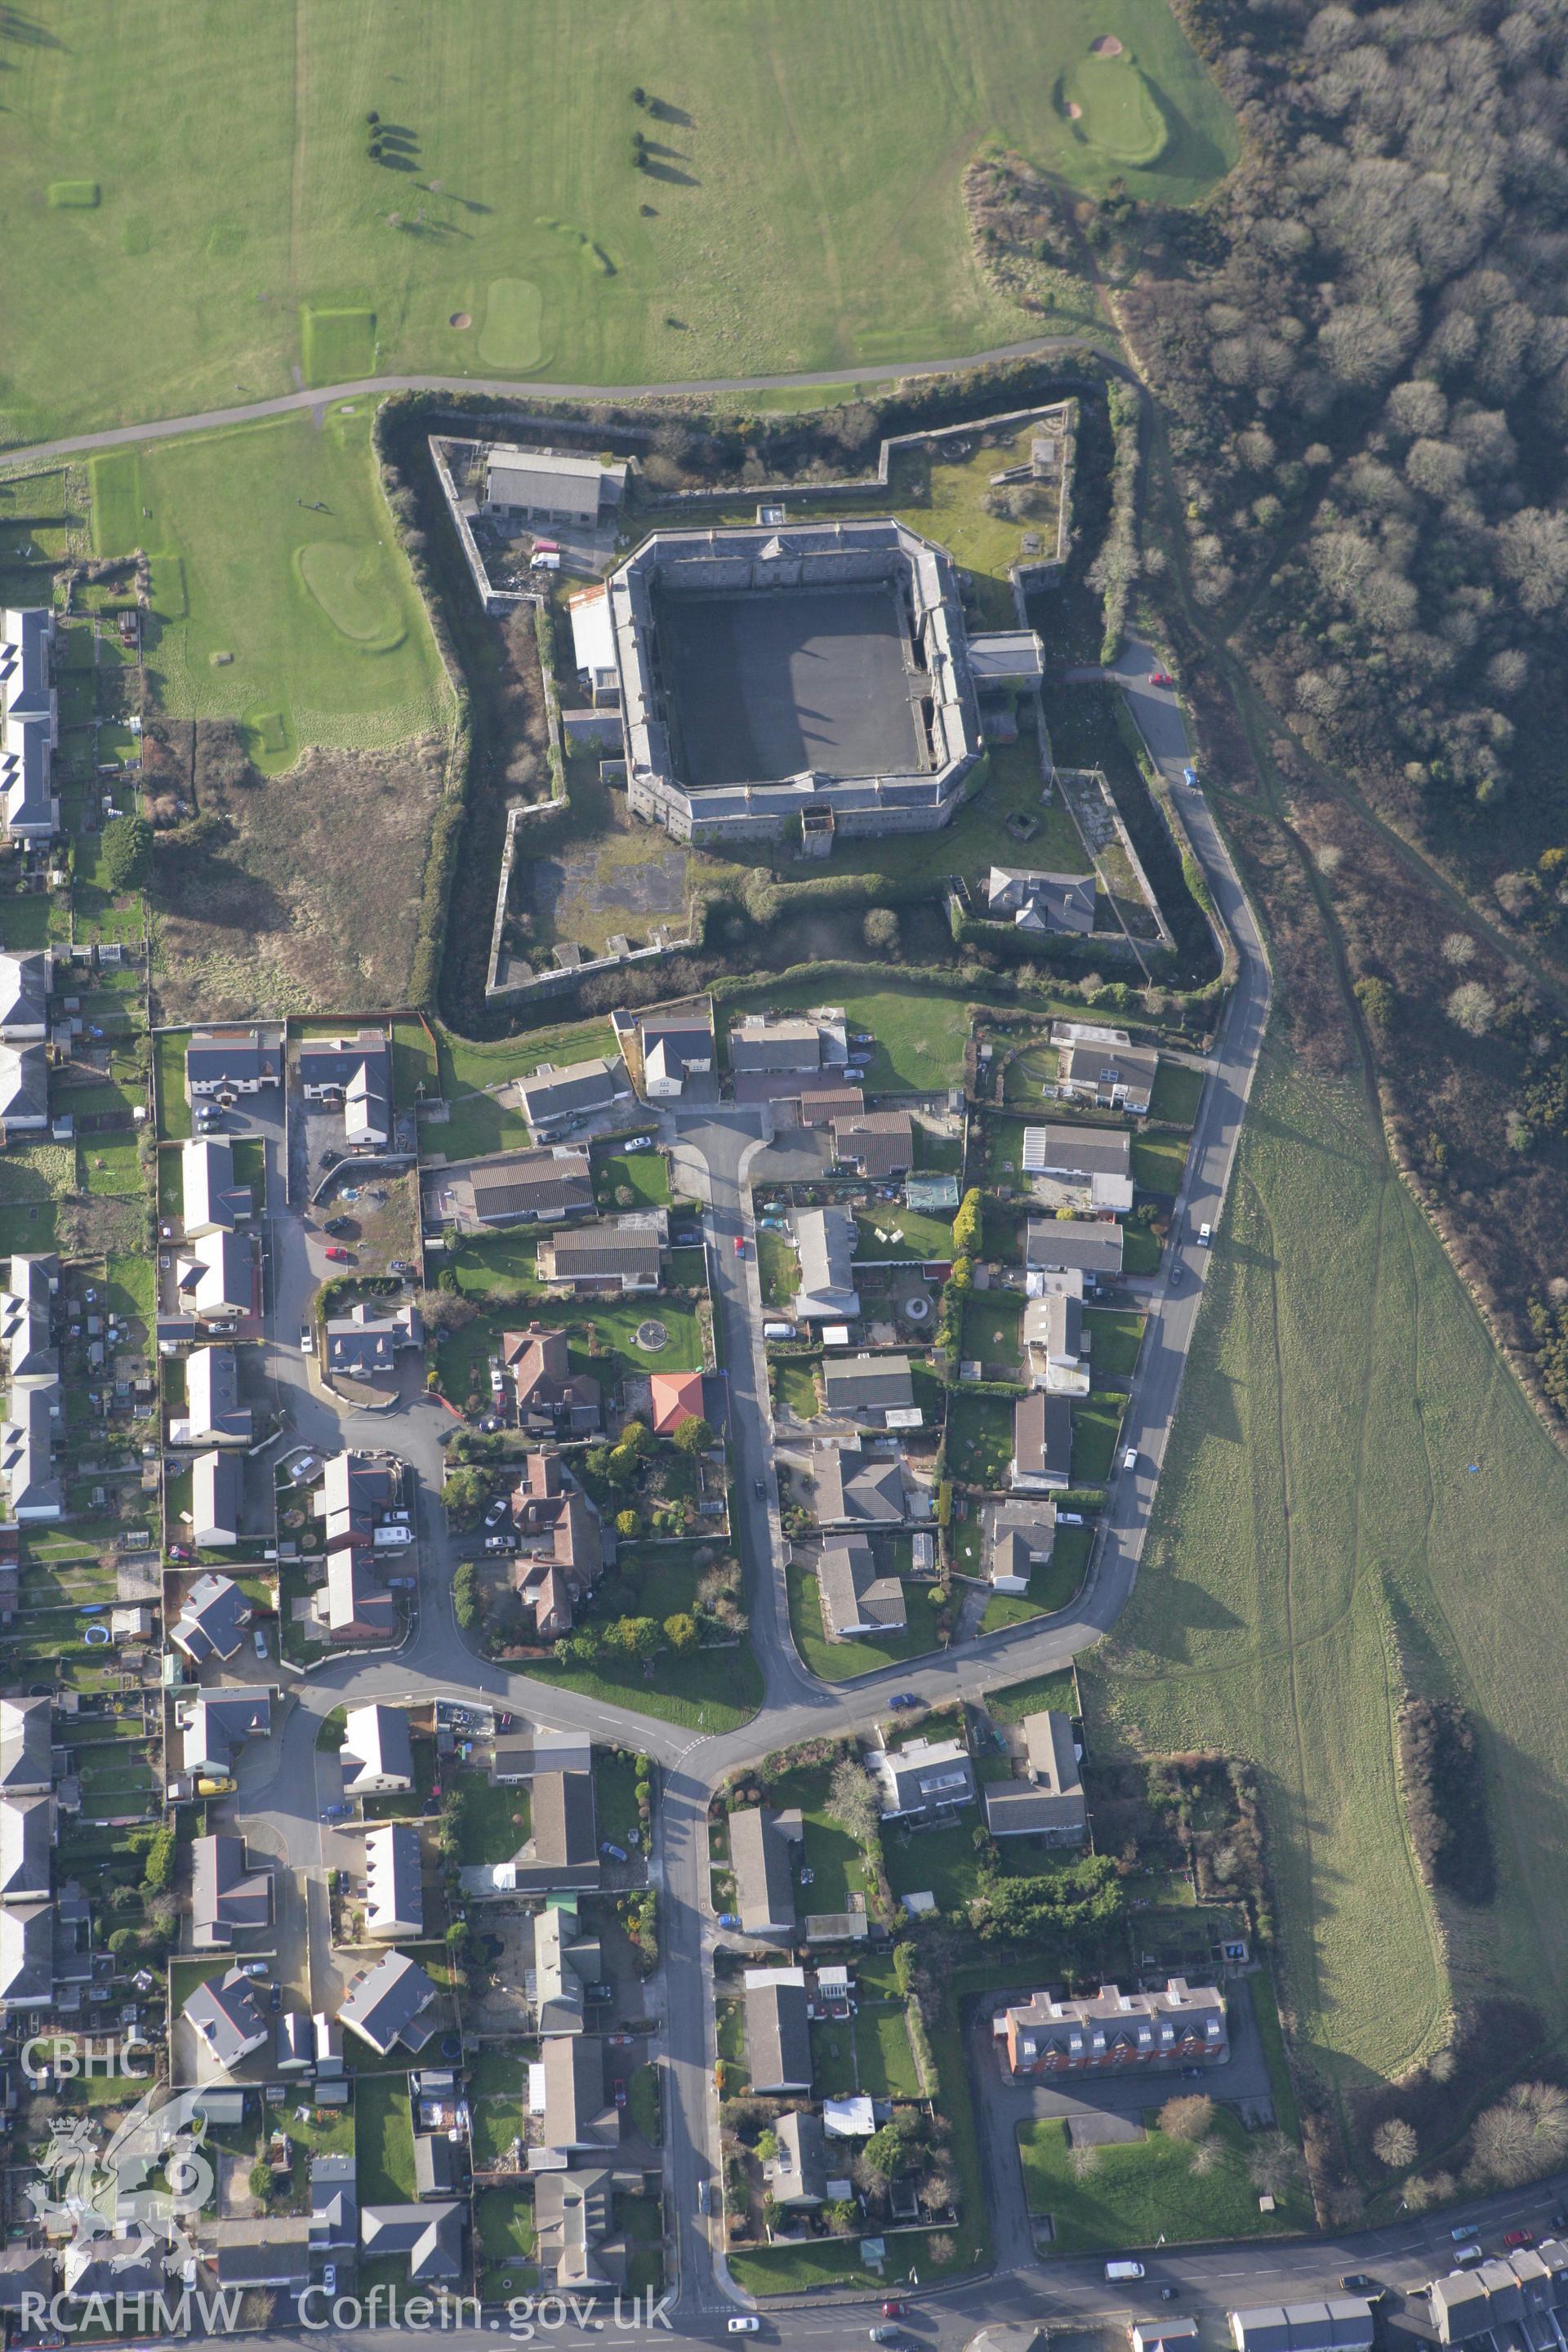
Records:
x=1135, y=2193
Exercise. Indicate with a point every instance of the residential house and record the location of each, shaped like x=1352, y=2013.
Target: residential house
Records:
x=1055, y=1345
x=677, y=1398
x=1049, y=1803
x=1038, y=903
x=230, y=1892
x=357, y=1073
x=1166, y=2334
x=553, y=1098
x=594, y=644
x=377, y=1756
x=520, y=1756
x=385, y=2003
x=213, y=1414
x=514, y=1187
x=273, y=2251
x=429, y=2236
x=28, y=1447
x=1344, y=2322
x=29, y=723
x=27, y=1747
x=355, y=1604
x=221, y=1061
x=761, y=1859
x=1096, y=1161
x=214, y=1278
x=1022, y=1539
x=578, y=2117
x=211, y=1620
x=1516, y=2298
x=26, y=981
x=573, y=2223
x=335, y=2204
x=25, y=2272
x=624, y=1257
x=27, y=1839
x=356, y=1492
x=869, y=1387
x=878, y=1144
x=925, y=1779
x=566, y=1961
x=544, y=485
x=551, y=1399
x=857, y=1489
x=1054, y=1244
x=561, y=1545
x=25, y=1316
x=675, y=1046
x=26, y=1957
x=791, y=1045
x=216, y=1725
x=1042, y=1443
x=395, y=1882
x=825, y=1240
x=435, y=2173
x=1104, y=1067
x=778, y=2031
x=366, y=1343
x=563, y=1851
x=856, y=1598
x=215, y=1483
x=24, y=1088
x=227, y=2016
x=797, y=2175
x=212, y=1202
x=1110, y=2031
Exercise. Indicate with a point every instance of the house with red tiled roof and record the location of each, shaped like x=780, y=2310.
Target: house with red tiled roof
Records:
x=677, y=1398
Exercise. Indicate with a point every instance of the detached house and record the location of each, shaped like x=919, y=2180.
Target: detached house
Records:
x=601, y=1257
x=357, y=1073
x=551, y=1399
x=554, y=1099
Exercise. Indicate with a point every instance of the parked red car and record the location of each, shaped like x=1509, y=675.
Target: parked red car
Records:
x=340, y=1254
x=1160, y=677
x=740, y=1245
x=892, y=2311
x=1514, y=2239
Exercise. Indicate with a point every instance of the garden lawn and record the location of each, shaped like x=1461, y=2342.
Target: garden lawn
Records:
x=980, y=1438
x=1116, y=1335
x=469, y=1073
x=920, y=1033
x=1096, y=1420
x=1140, y=1250
x=384, y=2139
x=1146, y=2191
x=708, y=1690
x=505, y=1261
x=642, y=1174
x=1157, y=1163
x=992, y=1325
x=615, y=1794
x=834, y=1858
x=779, y=1269
x=1177, y=1093
x=494, y=1822
x=889, y=1231
x=840, y=1661
x=497, y=2123
x=504, y=2218
x=794, y=1385
x=943, y=1862
x=169, y=1071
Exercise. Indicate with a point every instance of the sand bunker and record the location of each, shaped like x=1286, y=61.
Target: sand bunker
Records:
x=1075, y=111
x=459, y=319
x=1107, y=46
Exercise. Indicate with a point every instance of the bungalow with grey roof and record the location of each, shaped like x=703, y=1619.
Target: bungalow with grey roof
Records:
x=552, y=1099
x=231, y=1062
x=1103, y=1067
x=856, y=1598
x=28, y=1447
x=385, y=2003
x=572, y=2217
x=624, y=1257
x=377, y=1753
x=26, y=1957
x=825, y=1241
x=26, y=981
x=1091, y=1246
x=29, y=723
x=212, y=1202
x=548, y=486
x=857, y=1489
x=430, y=2236
x=923, y=1781
x=217, y=1724
x=513, y=1188
x=797, y=2175
x=394, y=1882
x=214, y=1278
x=26, y=1315
x=211, y=1620
x=228, y=1892
x=1042, y=1443
x=577, y=2115
x=868, y=1387
x=334, y=2203
x=26, y=1838
x=213, y=1414
x=228, y=2019
x=355, y=1072
x=24, y=1087
x=27, y=1747
x=675, y=1046
x=763, y=1862
x=778, y=2031
x=215, y=1483
x=1037, y=902
x=1049, y=1801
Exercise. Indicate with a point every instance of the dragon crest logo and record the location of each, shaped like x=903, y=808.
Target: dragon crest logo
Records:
x=129, y=2201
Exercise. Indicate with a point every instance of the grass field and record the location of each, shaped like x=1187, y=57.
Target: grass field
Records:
x=1338, y=1391
x=1145, y=2191
x=279, y=597
x=800, y=208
